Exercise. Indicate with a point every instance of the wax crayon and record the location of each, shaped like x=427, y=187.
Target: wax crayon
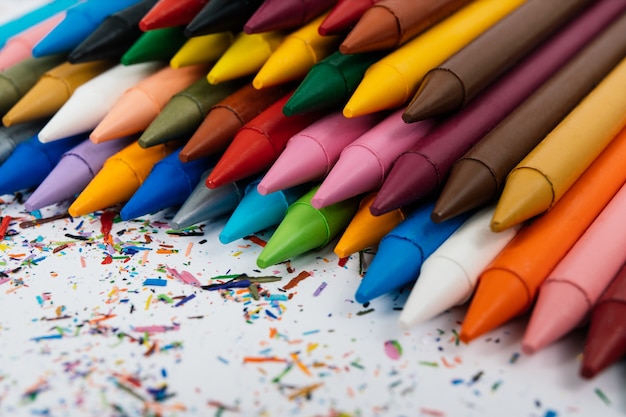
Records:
x=306, y=228
x=285, y=14
x=19, y=47
x=415, y=238
x=606, y=337
x=365, y=163
x=421, y=170
x=79, y=22
x=295, y=56
x=169, y=184
x=449, y=276
x=245, y=56
x=53, y=90
x=311, y=153
x=393, y=80
x=457, y=81
x=155, y=45
x=366, y=230
x=31, y=161
x=226, y=117
x=570, y=291
x=185, y=111
x=12, y=136
x=114, y=36
x=120, y=177
x=73, y=172
x=258, y=144
x=222, y=16
x=92, y=101
x=256, y=212
x=546, y=173
x=509, y=284
x=343, y=16
x=330, y=83
x=206, y=204
x=140, y=104
x=478, y=176
x=25, y=21
x=391, y=23
x=202, y=49
x=16, y=80
x=171, y=13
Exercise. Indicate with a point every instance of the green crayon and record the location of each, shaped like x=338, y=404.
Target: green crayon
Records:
x=155, y=45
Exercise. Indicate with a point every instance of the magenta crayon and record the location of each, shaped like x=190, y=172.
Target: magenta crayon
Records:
x=285, y=14
x=364, y=164
x=73, y=172
x=311, y=153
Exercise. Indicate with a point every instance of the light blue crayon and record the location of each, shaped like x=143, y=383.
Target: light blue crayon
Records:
x=403, y=250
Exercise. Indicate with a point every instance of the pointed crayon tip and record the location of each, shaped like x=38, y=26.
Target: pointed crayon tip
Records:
x=362, y=39
x=441, y=92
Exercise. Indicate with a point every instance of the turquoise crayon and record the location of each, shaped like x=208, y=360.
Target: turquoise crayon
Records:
x=169, y=184
x=256, y=212
x=32, y=161
x=403, y=250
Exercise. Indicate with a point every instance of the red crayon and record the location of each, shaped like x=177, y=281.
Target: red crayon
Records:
x=343, y=16
x=170, y=13
x=258, y=144
x=606, y=339
x=285, y=14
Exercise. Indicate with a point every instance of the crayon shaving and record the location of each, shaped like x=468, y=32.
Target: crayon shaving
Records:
x=183, y=276
x=295, y=281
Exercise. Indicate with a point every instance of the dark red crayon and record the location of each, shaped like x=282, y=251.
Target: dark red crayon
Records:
x=344, y=16
x=170, y=13
x=285, y=14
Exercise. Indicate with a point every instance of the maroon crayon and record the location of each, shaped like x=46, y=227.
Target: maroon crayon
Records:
x=285, y=14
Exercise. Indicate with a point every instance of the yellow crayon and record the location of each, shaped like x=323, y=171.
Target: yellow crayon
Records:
x=549, y=170
x=393, y=80
x=245, y=56
x=296, y=55
x=202, y=49
x=120, y=177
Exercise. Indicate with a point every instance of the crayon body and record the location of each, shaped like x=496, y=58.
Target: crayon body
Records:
x=53, y=90
x=155, y=45
x=285, y=14
x=170, y=13
x=79, y=22
x=222, y=16
x=464, y=75
x=140, y=104
x=82, y=113
x=311, y=153
x=343, y=16
x=202, y=49
x=571, y=290
x=508, y=286
x=546, y=173
x=295, y=56
x=73, y=172
x=120, y=177
x=12, y=136
x=306, y=228
x=415, y=238
x=390, y=82
x=478, y=176
x=449, y=275
x=226, y=117
x=391, y=23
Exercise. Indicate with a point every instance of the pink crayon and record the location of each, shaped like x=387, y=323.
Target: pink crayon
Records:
x=20, y=46
x=311, y=153
x=574, y=286
x=364, y=164
x=73, y=172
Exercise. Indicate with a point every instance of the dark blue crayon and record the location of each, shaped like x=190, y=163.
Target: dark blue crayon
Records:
x=32, y=161
x=222, y=16
x=169, y=184
x=402, y=252
x=79, y=22
x=256, y=212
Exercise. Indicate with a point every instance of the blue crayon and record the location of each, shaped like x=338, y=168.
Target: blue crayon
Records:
x=32, y=161
x=207, y=204
x=79, y=22
x=257, y=212
x=169, y=184
x=38, y=15
x=402, y=252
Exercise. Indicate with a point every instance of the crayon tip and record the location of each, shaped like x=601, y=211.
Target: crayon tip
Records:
x=470, y=185
x=362, y=39
x=527, y=193
x=560, y=307
x=291, y=61
x=441, y=92
x=41, y=101
x=382, y=88
x=500, y=297
x=310, y=97
x=180, y=117
x=602, y=347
